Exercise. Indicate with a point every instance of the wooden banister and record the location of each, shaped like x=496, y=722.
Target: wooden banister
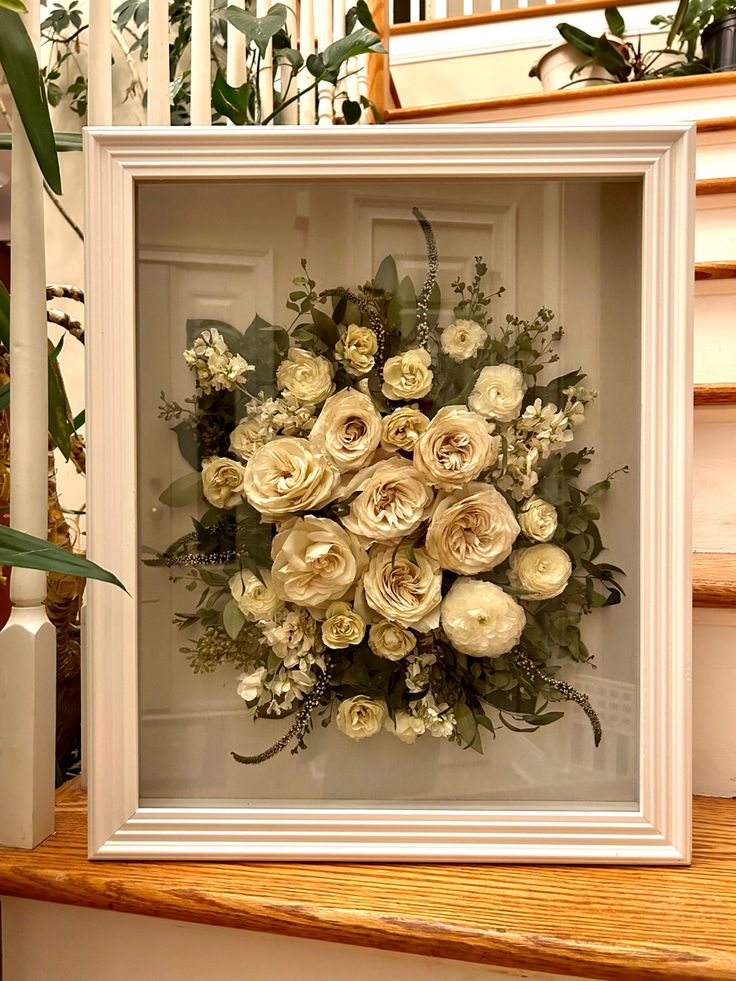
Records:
x=379, y=76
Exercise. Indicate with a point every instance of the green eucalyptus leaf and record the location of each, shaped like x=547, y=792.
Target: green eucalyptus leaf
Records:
x=19, y=64
x=387, y=277
x=183, y=491
x=29, y=552
x=232, y=619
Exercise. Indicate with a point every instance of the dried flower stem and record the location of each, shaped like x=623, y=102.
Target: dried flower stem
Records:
x=429, y=283
x=298, y=728
x=567, y=691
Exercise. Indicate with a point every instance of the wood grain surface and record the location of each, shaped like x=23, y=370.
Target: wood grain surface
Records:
x=605, y=923
x=716, y=185
x=717, y=125
x=714, y=585
x=715, y=270
x=714, y=393
x=595, y=92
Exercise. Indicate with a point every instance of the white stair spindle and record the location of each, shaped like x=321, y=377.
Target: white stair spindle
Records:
x=438, y=9
x=338, y=31
x=201, y=108
x=325, y=91
x=28, y=641
x=352, y=85
x=415, y=11
x=99, y=64
x=290, y=115
x=496, y=6
x=362, y=65
x=158, y=111
x=265, y=76
x=237, y=70
x=306, y=46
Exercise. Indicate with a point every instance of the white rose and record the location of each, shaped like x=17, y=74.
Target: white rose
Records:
x=456, y=447
x=315, y=562
x=342, y=627
x=405, y=726
x=393, y=500
x=250, y=685
x=463, y=339
x=498, y=393
x=480, y=619
x=305, y=376
x=408, y=375
x=286, y=476
x=542, y=570
x=357, y=348
x=360, y=716
x=391, y=641
x=347, y=430
x=247, y=437
x=538, y=519
x=472, y=530
x=223, y=482
x=255, y=599
x=401, y=590
x=403, y=427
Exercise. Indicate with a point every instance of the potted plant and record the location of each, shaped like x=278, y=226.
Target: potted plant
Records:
x=611, y=59
x=712, y=23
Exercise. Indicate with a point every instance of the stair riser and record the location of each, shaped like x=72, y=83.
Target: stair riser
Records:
x=715, y=320
x=714, y=698
x=714, y=479
x=715, y=227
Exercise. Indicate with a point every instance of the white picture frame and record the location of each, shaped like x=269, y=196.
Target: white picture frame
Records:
x=658, y=832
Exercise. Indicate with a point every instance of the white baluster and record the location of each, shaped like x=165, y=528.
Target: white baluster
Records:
x=237, y=70
x=306, y=46
x=201, y=107
x=438, y=9
x=352, y=84
x=325, y=91
x=522, y=3
x=28, y=641
x=495, y=6
x=158, y=99
x=338, y=31
x=290, y=115
x=362, y=64
x=99, y=63
x=467, y=7
x=415, y=11
x=265, y=76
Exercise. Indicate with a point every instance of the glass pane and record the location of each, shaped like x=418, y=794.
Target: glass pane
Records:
x=219, y=264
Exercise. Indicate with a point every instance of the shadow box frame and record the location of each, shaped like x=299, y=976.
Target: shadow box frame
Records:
x=658, y=831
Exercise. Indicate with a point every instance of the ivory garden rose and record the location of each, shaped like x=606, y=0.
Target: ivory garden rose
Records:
x=287, y=476
x=456, y=448
x=223, y=482
x=390, y=640
x=404, y=586
x=408, y=376
x=462, y=339
x=360, y=717
x=306, y=377
x=255, y=598
x=342, y=626
x=471, y=530
x=389, y=501
x=357, y=349
x=347, y=430
x=538, y=519
x=542, y=570
x=498, y=393
x=402, y=429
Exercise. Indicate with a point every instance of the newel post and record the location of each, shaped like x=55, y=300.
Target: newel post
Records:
x=28, y=641
x=379, y=75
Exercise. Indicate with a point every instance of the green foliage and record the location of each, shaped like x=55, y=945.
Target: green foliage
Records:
x=29, y=552
x=18, y=62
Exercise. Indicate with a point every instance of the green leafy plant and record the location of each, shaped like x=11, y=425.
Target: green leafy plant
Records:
x=622, y=60
x=691, y=18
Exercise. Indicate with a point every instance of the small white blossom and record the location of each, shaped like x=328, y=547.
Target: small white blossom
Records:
x=217, y=368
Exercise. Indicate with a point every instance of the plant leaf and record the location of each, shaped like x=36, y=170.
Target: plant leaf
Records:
x=29, y=552
x=231, y=102
x=387, y=277
x=258, y=30
x=615, y=22
x=18, y=61
x=232, y=619
x=183, y=491
x=359, y=42
x=15, y=5
x=578, y=39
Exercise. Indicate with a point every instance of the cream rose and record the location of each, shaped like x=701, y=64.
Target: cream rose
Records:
x=247, y=436
x=538, y=519
x=357, y=348
x=408, y=375
x=472, y=530
x=406, y=590
x=342, y=627
x=498, y=393
x=393, y=500
x=361, y=716
x=315, y=562
x=347, y=430
x=256, y=599
x=405, y=726
x=542, y=570
x=462, y=339
x=480, y=619
x=306, y=377
x=391, y=641
x=223, y=482
x=286, y=476
x=402, y=428
x=456, y=447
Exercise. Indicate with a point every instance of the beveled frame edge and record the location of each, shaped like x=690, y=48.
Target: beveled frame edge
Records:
x=659, y=832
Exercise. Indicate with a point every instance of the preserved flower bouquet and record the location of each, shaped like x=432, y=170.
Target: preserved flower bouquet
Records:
x=391, y=530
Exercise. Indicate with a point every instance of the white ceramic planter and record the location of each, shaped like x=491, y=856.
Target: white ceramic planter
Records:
x=554, y=68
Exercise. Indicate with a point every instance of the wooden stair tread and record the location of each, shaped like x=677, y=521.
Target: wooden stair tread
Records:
x=715, y=393
x=714, y=580
x=717, y=125
x=608, y=923
x=596, y=93
x=716, y=185
x=715, y=270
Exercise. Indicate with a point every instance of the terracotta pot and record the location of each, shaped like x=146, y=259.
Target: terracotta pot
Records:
x=555, y=66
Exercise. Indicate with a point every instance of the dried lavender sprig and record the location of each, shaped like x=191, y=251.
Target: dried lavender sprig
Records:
x=429, y=283
x=566, y=690
x=299, y=727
